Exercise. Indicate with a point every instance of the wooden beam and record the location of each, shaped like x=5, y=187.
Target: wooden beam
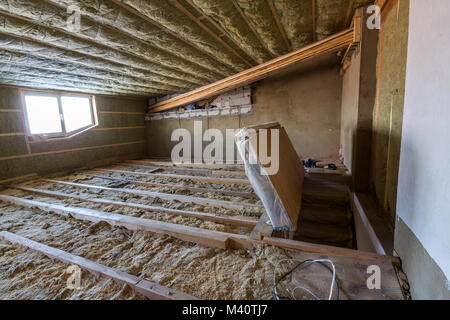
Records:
x=246, y=195
x=279, y=25
x=190, y=165
x=331, y=44
x=209, y=238
x=209, y=172
x=132, y=10
x=165, y=196
x=205, y=237
x=314, y=20
x=348, y=15
x=322, y=249
x=239, y=222
x=199, y=22
x=148, y=289
x=185, y=177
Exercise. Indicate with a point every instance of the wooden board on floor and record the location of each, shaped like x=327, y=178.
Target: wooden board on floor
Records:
x=202, y=179
x=206, y=172
x=225, y=166
x=165, y=196
x=149, y=289
x=228, y=220
x=247, y=195
x=209, y=238
x=352, y=275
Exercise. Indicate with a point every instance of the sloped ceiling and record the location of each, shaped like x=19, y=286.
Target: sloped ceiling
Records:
x=154, y=47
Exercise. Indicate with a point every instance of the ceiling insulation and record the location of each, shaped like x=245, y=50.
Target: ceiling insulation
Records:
x=330, y=15
x=154, y=47
x=228, y=17
x=296, y=18
x=100, y=38
x=261, y=17
x=137, y=28
x=165, y=13
x=24, y=60
x=39, y=50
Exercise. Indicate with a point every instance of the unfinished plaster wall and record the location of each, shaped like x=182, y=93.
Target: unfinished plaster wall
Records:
x=121, y=132
x=388, y=110
x=422, y=238
x=306, y=100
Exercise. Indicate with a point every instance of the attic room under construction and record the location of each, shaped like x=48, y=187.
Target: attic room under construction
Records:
x=224, y=150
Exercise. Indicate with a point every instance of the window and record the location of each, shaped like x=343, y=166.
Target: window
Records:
x=58, y=115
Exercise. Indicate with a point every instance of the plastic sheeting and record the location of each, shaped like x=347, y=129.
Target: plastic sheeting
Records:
x=246, y=145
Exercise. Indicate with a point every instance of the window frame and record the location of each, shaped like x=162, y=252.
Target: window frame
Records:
x=64, y=134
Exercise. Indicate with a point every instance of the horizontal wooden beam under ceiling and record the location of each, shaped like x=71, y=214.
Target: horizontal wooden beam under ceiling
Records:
x=331, y=44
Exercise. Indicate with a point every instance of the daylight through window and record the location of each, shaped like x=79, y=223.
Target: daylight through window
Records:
x=58, y=115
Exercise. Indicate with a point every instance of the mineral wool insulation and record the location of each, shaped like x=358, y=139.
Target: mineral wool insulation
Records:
x=36, y=50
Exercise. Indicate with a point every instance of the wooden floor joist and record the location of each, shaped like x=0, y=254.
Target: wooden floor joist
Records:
x=148, y=289
x=202, y=179
x=206, y=172
x=247, y=195
x=159, y=163
x=205, y=237
x=331, y=44
x=165, y=196
x=233, y=221
x=209, y=238
x=318, y=248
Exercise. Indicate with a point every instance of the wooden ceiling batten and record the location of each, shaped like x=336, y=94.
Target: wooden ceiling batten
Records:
x=280, y=26
x=255, y=32
x=199, y=21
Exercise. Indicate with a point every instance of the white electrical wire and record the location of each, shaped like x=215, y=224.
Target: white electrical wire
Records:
x=300, y=287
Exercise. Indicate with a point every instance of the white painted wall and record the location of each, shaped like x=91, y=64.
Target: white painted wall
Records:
x=424, y=177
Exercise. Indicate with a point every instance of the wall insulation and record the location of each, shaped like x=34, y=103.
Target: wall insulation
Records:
x=120, y=134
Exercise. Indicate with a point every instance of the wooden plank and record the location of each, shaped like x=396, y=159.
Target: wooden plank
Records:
x=331, y=44
x=160, y=163
x=262, y=229
x=318, y=248
x=190, y=234
x=246, y=195
x=165, y=196
x=149, y=289
x=287, y=182
x=185, y=177
x=233, y=221
x=207, y=172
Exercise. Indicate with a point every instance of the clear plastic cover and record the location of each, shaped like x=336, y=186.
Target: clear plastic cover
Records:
x=245, y=141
